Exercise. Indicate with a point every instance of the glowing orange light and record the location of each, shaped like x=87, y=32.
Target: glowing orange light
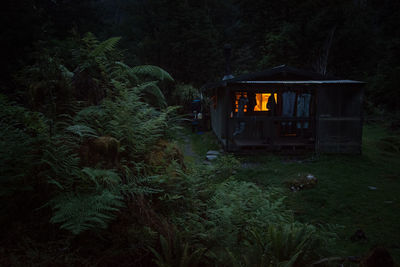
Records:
x=237, y=96
x=262, y=100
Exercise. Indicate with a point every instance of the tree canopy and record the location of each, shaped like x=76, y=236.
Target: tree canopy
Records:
x=354, y=39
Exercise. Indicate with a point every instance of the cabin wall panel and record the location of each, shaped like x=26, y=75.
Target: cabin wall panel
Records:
x=339, y=119
x=219, y=114
x=338, y=112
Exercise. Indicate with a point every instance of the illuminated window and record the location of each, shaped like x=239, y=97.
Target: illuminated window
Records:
x=262, y=100
x=237, y=96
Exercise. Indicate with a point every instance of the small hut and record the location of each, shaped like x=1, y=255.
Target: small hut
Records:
x=287, y=108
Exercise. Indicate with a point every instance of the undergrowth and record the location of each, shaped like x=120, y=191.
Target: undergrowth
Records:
x=91, y=166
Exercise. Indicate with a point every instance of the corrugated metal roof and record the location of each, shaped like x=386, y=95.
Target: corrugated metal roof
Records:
x=283, y=69
x=262, y=77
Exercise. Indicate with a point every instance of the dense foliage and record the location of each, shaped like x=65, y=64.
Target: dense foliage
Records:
x=90, y=171
x=91, y=158
x=83, y=156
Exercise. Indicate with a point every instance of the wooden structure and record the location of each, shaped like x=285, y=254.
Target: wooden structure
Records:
x=309, y=111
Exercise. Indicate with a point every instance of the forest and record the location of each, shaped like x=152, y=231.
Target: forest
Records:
x=99, y=167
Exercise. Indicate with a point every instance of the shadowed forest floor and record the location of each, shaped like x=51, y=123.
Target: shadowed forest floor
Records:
x=354, y=192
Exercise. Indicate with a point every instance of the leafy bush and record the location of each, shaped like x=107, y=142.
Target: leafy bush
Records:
x=184, y=94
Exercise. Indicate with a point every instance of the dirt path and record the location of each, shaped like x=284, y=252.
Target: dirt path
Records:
x=188, y=151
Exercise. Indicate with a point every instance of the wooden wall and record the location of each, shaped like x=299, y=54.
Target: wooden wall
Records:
x=339, y=119
x=220, y=114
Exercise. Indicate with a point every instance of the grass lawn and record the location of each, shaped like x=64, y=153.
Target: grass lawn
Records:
x=342, y=195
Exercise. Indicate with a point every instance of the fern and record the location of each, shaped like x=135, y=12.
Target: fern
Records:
x=152, y=71
x=61, y=162
x=285, y=244
x=152, y=93
x=47, y=85
x=65, y=72
x=177, y=253
x=102, y=178
x=90, y=41
x=121, y=71
x=242, y=204
x=134, y=123
x=108, y=98
x=81, y=212
x=137, y=184
x=82, y=186
x=104, y=47
x=92, y=117
x=82, y=131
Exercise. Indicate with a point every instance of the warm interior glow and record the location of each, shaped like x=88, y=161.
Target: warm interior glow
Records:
x=237, y=96
x=262, y=100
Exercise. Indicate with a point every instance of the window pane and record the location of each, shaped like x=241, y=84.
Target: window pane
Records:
x=262, y=100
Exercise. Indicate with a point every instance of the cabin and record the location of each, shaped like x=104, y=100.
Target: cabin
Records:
x=285, y=108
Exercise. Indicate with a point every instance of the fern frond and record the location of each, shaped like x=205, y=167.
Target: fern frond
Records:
x=105, y=46
x=152, y=71
x=80, y=212
x=61, y=162
x=175, y=252
x=65, y=72
x=121, y=70
x=90, y=40
x=152, y=92
x=81, y=131
x=106, y=178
